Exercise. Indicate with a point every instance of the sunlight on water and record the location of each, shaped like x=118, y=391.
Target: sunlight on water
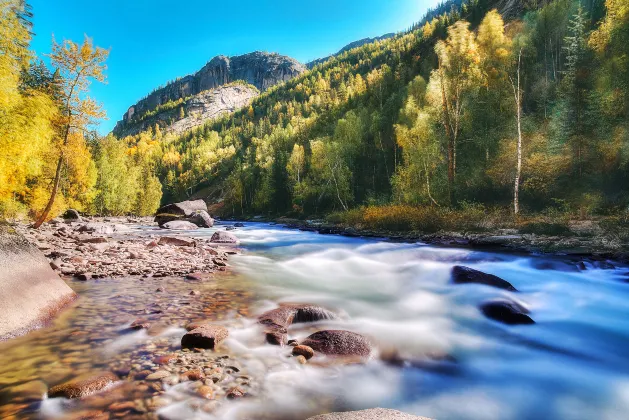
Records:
x=571, y=362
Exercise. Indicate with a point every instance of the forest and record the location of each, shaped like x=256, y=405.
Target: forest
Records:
x=466, y=113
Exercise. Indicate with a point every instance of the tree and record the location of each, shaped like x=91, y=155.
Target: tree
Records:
x=415, y=134
x=77, y=65
x=26, y=115
x=489, y=112
x=451, y=85
x=575, y=101
x=517, y=95
x=296, y=163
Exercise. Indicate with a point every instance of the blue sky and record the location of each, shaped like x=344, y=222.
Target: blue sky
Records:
x=154, y=41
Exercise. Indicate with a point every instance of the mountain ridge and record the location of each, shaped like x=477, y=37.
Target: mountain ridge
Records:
x=259, y=69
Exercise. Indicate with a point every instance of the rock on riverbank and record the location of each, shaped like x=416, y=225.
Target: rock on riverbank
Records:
x=30, y=292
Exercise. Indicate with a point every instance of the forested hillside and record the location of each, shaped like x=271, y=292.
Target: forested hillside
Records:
x=469, y=109
x=446, y=115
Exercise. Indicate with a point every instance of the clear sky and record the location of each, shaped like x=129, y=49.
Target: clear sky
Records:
x=154, y=41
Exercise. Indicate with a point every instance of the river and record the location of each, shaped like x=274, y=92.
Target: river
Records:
x=571, y=364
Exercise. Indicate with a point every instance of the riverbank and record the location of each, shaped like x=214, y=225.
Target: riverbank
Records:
x=116, y=351
x=118, y=247
x=578, y=241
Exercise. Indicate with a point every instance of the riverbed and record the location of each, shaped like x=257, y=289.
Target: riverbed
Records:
x=438, y=355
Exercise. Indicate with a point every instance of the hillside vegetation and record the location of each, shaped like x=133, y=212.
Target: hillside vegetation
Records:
x=469, y=110
x=431, y=118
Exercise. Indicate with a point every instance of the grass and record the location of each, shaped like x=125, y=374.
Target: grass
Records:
x=424, y=219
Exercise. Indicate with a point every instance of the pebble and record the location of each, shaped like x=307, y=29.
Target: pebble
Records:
x=304, y=351
x=206, y=392
x=160, y=374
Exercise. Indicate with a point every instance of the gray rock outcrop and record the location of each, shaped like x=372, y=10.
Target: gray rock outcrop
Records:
x=259, y=69
x=30, y=291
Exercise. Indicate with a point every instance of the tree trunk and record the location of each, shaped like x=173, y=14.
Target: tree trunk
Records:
x=450, y=135
x=53, y=194
x=518, y=103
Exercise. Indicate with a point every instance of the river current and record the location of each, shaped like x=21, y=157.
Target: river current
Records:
x=453, y=362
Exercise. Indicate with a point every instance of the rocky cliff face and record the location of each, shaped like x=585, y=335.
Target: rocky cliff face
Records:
x=198, y=109
x=259, y=69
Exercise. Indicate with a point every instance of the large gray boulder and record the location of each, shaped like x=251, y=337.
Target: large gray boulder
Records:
x=193, y=211
x=30, y=291
x=372, y=414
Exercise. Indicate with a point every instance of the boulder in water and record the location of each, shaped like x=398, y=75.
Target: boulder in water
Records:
x=506, y=311
x=339, y=343
x=204, y=337
x=223, y=237
x=82, y=388
x=276, y=321
x=463, y=275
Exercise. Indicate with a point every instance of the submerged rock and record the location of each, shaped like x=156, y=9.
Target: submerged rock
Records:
x=371, y=414
x=339, y=343
x=276, y=321
x=506, y=311
x=223, y=237
x=204, y=337
x=463, y=275
x=83, y=388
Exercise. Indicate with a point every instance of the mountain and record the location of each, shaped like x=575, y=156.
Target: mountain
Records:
x=202, y=95
x=348, y=47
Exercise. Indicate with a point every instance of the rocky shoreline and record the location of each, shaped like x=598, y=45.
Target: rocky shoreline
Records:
x=114, y=247
x=599, y=250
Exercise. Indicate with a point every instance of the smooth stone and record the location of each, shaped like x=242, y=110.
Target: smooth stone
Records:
x=160, y=374
x=302, y=350
x=464, y=275
x=83, y=387
x=204, y=337
x=507, y=312
x=339, y=343
x=179, y=225
x=236, y=392
x=206, y=392
x=223, y=237
x=177, y=241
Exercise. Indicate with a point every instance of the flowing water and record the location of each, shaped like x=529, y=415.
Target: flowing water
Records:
x=573, y=363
